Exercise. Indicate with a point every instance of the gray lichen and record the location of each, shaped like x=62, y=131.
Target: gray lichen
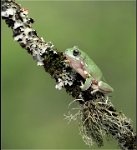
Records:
x=98, y=118
x=96, y=115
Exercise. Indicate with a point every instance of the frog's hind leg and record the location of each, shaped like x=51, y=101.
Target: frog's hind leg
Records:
x=95, y=88
x=104, y=87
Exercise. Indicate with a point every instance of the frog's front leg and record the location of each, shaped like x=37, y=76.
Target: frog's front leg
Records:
x=87, y=83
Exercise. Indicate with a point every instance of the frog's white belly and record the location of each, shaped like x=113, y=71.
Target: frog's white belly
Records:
x=77, y=66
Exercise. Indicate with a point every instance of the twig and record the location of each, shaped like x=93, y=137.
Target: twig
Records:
x=97, y=115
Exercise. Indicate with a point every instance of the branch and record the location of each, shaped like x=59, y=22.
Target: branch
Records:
x=97, y=115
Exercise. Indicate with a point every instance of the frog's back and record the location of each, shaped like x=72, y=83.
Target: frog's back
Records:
x=92, y=68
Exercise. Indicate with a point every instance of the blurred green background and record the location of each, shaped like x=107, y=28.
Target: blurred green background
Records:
x=32, y=109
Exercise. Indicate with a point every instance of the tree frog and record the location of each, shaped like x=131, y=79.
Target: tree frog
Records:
x=86, y=67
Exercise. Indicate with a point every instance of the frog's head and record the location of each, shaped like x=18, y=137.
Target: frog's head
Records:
x=73, y=53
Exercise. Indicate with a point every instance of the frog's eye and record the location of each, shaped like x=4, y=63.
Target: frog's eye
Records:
x=76, y=52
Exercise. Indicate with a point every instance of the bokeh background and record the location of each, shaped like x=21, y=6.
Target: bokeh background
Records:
x=32, y=109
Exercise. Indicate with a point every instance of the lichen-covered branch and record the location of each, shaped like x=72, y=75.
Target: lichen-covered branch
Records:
x=96, y=115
